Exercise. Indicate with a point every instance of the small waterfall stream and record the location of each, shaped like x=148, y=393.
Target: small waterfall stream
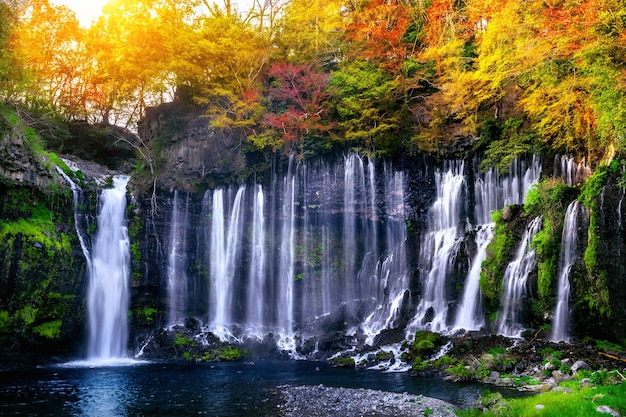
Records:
x=569, y=240
x=286, y=270
x=108, y=292
x=469, y=315
x=177, y=263
x=391, y=275
x=515, y=277
x=224, y=248
x=256, y=299
x=493, y=191
x=439, y=248
x=80, y=221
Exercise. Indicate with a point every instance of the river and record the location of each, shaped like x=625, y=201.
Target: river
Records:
x=224, y=389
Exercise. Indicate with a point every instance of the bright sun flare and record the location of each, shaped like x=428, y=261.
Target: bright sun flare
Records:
x=86, y=11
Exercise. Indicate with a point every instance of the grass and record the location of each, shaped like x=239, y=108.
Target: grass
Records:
x=581, y=402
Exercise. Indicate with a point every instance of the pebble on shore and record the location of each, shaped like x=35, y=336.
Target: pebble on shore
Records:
x=322, y=401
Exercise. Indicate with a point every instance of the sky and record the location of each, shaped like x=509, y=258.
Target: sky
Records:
x=87, y=11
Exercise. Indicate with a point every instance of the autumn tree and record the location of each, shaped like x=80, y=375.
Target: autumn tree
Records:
x=378, y=32
x=365, y=99
x=310, y=32
x=133, y=45
x=10, y=73
x=47, y=44
x=228, y=60
x=298, y=117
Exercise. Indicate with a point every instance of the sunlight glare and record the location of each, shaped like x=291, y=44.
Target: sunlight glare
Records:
x=87, y=11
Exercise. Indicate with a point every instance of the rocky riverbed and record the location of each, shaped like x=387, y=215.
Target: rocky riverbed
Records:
x=322, y=401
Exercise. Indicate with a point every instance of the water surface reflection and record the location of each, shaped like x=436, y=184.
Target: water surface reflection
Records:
x=181, y=389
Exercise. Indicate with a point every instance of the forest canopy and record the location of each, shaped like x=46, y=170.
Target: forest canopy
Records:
x=303, y=76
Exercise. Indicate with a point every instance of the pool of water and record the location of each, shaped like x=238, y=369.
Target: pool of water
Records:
x=184, y=389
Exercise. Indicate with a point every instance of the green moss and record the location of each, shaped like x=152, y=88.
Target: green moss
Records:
x=499, y=252
x=461, y=371
x=444, y=361
x=229, y=353
x=147, y=316
x=425, y=343
x=344, y=362
x=419, y=364
x=5, y=322
x=182, y=340
x=595, y=291
x=383, y=355
x=35, y=223
x=49, y=330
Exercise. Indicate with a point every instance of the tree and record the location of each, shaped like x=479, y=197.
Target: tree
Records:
x=133, y=46
x=365, y=100
x=229, y=59
x=10, y=73
x=47, y=43
x=310, y=32
x=378, y=31
x=298, y=115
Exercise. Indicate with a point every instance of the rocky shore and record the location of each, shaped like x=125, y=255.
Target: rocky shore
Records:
x=322, y=401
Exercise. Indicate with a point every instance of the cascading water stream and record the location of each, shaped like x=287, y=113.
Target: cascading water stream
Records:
x=177, y=263
x=286, y=274
x=225, y=246
x=78, y=218
x=392, y=274
x=469, y=315
x=492, y=192
x=108, y=293
x=572, y=173
x=567, y=256
x=439, y=248
x=515, y=278
x=255, y=299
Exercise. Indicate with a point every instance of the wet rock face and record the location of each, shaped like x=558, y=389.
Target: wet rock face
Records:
x=612, y=259
x=193, y=152
x=20, y=165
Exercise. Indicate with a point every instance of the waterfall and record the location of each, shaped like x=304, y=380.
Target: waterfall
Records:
x=368, y=275
x=567, y=256
x=469, y=315
x=177, y=263
x=391, y=275
x=79, y=219
x=572, y=173
x=286, y=274
x=439, y=248
x=492, y=191
x=107, y=298
x=225, y=247
x=255, y=298
x=354, y=188
x=515, y=277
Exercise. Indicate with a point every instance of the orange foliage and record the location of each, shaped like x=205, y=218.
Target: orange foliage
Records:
x=379, y=28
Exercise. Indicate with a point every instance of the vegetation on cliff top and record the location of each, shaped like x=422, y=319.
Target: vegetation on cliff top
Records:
x=375, y=75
